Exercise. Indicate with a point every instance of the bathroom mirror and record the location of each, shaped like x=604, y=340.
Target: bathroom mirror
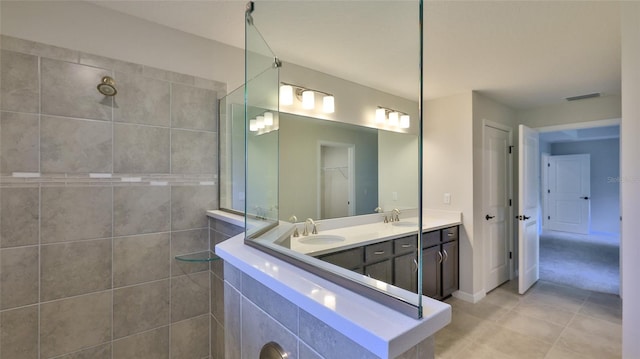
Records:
x=304, y=154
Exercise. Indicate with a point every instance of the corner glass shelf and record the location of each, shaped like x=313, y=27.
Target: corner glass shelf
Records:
x=206, y=256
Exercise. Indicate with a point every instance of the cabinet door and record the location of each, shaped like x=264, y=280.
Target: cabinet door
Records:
x=349, y=259
x=449, y=268
x=405, y=272
x=431, y=259
x=380, y=271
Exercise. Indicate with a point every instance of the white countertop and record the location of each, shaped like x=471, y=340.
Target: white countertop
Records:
x=380, y=329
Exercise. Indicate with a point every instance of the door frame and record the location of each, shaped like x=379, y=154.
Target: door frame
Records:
x=351, y=153
x=487, y=123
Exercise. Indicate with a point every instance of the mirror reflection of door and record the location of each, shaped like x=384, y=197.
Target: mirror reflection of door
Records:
x=336, y=180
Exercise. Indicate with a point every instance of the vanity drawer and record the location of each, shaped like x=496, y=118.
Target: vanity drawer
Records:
x=405, y=245
x=430, y=239
x=378, y=251
x=349, y=259
x=450, y=234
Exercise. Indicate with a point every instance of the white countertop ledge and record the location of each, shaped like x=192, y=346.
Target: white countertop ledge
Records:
x=380, y=329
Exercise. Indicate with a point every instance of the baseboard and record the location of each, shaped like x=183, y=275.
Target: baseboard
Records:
x=468, y=297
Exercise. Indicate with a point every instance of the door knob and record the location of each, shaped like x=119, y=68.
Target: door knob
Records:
x=488, y=217
x=525, y=217
x=584, y=197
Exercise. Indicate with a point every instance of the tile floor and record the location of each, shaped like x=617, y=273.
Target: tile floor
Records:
x=550, y=321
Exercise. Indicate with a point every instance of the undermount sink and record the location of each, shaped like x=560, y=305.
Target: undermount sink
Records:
x=405, y=224
x=321, y=239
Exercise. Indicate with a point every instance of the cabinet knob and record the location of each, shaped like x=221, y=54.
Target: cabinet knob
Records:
x=378, y=253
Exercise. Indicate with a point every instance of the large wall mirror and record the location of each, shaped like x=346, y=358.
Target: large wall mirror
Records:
x=346, y=156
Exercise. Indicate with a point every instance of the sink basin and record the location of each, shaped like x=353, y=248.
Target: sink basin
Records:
x=405, y=224
x=321, y=239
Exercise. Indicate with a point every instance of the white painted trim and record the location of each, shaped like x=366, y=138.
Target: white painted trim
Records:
x=579, y=125
x=471, y=298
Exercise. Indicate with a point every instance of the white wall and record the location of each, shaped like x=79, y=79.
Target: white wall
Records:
x=397, y=170
x=593, y=109
x=630, y=172
x=106, y=32
x=605, y=192
x=484, y=108
x=448, y=168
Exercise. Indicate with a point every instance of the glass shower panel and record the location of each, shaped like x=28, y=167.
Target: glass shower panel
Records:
x=261, y=132
x=232, y=155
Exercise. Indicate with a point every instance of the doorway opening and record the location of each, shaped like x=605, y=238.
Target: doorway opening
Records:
x=580, y=206
x=336, y=184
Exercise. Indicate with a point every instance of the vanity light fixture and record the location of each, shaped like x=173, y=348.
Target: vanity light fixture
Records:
x=253, y=125
x=268, y=119
x=286, y=95
x=308, y=100
x=306, y=96
x=395, y=117
x=260, y=122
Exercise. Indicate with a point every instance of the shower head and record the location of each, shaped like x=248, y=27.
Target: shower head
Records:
x=107, y=87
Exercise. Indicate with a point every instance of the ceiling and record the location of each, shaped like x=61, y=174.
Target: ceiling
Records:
x=524, y=54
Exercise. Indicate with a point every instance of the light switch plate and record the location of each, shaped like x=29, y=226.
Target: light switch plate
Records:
x=447, y=198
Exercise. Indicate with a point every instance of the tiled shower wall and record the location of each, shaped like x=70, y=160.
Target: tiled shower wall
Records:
x=97, y=195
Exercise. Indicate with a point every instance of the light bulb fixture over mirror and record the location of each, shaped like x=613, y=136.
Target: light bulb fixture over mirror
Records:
x=263, y=123
x=391, y=117
x=306, y=96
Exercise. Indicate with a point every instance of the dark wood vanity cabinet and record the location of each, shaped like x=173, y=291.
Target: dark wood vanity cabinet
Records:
x=440, y=271
x=394, y=261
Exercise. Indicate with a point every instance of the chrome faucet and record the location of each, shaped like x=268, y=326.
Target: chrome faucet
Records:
x=379, y=210
x=293, y=219
x=395, y=215
x=314, y=229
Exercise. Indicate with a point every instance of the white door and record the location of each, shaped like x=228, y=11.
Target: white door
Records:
x=528, y=204
x=496, y=196
x=568, y=193
x=336, y=182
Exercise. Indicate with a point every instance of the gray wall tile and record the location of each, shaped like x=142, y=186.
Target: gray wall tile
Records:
x=189, y=296
x=75, y=268
x=140, y=259
x=139, y=308
x=217, y=339
x=140, y=149
x=226, y=228
x=142, y=100
x=18, y=276
x=72, y=213
x=19, y=333
x=112, y=64
x=258, y=329
x=328, y=342
x=99, y=352
x=20, y=216
x=71, y=324
x=184, y=242
x=307, y=353
x=217, y=299
x=69, y=145
x=69, y=90
x=233, y=275
x=189, y=205
x=232, y=325
x=271, y=302
x=193, y=152
x=153, y=344
x=190, y=338
x=140, y=209
x=19, y=83
x=38, y=49
x=19, y=142
x=193, y=108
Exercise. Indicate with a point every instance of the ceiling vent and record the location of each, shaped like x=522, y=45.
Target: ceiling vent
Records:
x=582, y=97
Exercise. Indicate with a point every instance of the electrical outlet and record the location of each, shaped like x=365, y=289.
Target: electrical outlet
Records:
x=447, y=198
x=394, y=196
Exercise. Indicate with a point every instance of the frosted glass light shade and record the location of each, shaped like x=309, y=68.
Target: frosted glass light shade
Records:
x=308, y=100
x=405, y=121
x=260, y=122
x=381, y=115
x=328, y=104
x=253, y=125
x=268, y=118
x=286, y=95
x=394, y=118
